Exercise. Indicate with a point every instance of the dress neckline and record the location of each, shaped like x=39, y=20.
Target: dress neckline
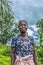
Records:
x=23, y=39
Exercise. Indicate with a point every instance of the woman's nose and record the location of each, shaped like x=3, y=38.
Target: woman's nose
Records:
x=23, y=26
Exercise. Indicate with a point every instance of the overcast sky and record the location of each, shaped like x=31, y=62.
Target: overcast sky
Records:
x=30, y=10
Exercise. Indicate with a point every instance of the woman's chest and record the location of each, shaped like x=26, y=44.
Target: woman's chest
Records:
x=23, y=45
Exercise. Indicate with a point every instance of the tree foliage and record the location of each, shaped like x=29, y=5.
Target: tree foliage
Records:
x=40, y=24
x=40, y=30
x=6, y=20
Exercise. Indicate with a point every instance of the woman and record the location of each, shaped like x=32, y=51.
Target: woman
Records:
x=23, y=52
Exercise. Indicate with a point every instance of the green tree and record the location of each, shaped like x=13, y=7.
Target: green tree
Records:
x=6, y=20
x=40, y=30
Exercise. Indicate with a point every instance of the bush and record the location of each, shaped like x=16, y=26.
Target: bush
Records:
x=39, y=51
x=5, y=52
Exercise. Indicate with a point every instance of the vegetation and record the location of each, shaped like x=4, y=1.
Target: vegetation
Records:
x=5, y=52
x=39, y=49
x=40, y=30
x=39, y=52
x=7, y=27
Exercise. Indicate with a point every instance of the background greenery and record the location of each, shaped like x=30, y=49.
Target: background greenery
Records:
x=4, y=55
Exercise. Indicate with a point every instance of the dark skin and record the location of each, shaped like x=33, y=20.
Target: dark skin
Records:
x=23, y=28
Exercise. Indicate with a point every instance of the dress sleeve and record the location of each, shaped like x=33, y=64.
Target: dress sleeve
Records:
x=32, y=40
x=32, y=45
x=13, y=43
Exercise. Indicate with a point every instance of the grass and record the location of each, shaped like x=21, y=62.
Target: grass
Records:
x=39, y=51
x=5, y=52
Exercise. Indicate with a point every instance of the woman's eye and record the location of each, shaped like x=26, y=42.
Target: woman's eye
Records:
x=23, y=25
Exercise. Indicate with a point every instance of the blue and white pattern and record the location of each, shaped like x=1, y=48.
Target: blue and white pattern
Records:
x=23, y=48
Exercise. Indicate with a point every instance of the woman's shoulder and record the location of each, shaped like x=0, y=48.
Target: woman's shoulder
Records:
x=31, y=39
x=16, y=37
x=14, y=40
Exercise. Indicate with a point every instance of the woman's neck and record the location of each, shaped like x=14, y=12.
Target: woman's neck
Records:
x=23, y=34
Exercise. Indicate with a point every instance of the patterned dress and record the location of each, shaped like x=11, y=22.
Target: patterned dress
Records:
x=24, y=50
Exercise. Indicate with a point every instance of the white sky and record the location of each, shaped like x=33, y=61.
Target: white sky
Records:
x=31, y=10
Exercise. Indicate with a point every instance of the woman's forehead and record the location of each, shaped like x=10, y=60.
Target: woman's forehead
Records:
x=23, y=22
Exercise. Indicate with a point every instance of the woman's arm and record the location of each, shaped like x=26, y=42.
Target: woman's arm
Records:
x=13, y=56
x=34, y=57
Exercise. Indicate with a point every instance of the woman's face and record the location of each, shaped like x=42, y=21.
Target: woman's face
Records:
x=23, y=27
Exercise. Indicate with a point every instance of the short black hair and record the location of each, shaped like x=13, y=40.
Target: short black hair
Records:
x=20, y=21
